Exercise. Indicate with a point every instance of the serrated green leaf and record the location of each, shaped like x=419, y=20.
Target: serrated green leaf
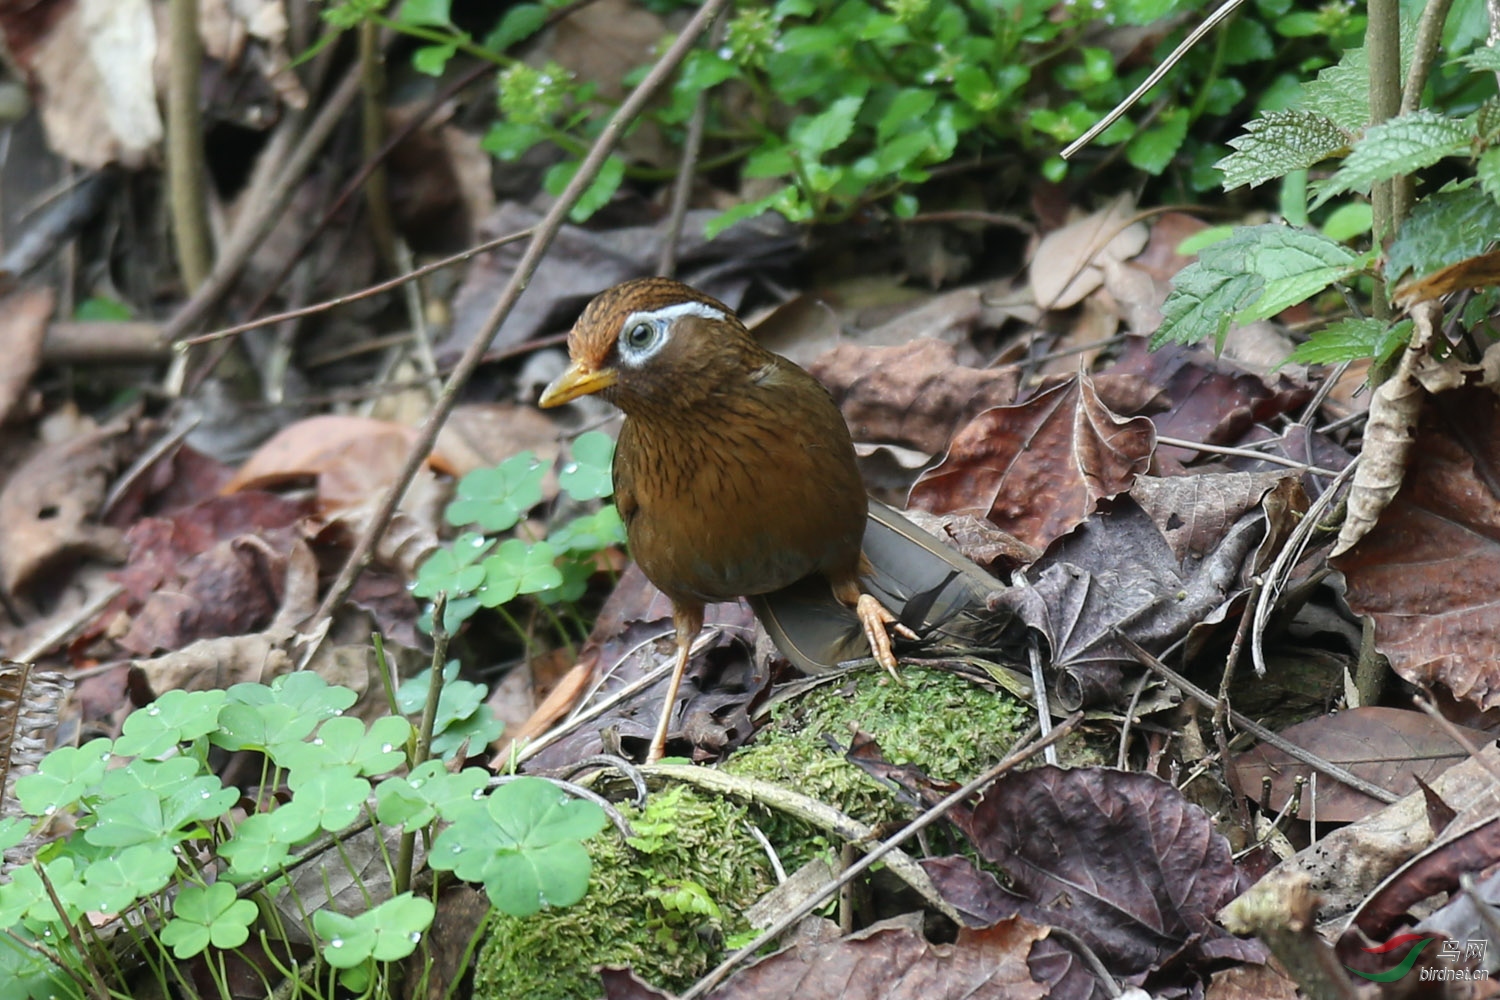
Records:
x=1444, y=228
x=1256, y=269
x=1352, y=340
x=1399, y=146
x=1295, y=264
x=1341, y=92
x=814, y=135
x=1484, y=60
x=1279, y=142
x=1487, y=169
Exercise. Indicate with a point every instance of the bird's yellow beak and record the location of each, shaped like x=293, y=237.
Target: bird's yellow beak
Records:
x=578, y=380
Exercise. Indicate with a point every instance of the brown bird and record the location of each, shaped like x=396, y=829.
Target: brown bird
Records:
x=734, y=471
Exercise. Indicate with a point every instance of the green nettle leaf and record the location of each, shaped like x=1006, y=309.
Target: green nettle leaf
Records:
x=175, y=717
x=589, y=475
x=1485, y=60
x=814, y=135
x=1401, y=145
x=1279, y=142
x=1443, y=229
x=525, y=846
x=63, y=777
x=1256, y=272
x=207, y=915
x=1487, y=169
x=1341, y=92
x=496, y=498
x=1352, y=340
x=1296, y=265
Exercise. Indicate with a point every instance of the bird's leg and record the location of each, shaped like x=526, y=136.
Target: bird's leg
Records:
x=688, y=621
x=874, y=617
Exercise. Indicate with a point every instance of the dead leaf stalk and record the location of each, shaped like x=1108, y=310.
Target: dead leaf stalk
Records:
x=1259, y=456
x=544, y=234
x=185, y=165
x=1011, y=761
x=1252, y=727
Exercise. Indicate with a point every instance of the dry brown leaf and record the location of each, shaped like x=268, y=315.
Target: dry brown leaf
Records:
x=1389, y=747
x=1482, y=271
x=23, y=326
x=48, y=505
x=1429, y=570
x=1068, y=262
x=93, y=67
x=914, y=395
x=214, y=664
x=1038, y=468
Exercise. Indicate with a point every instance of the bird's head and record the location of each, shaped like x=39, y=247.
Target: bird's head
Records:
x=653, y=344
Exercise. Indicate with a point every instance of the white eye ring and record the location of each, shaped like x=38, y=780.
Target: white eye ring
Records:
x=644, y=334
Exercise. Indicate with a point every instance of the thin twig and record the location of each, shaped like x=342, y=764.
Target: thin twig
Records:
x=363, y=293
x=1252, y=727
x=911, y=829
x=687, y=169
x=1259, y=456
x=248, y=235
x=545, y=232
x=1152, y=80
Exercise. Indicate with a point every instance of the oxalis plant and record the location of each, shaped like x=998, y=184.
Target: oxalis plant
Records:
x=155, y=862
x=479, y=570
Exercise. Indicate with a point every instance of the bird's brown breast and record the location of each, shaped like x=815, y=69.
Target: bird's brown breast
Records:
x=747, y=491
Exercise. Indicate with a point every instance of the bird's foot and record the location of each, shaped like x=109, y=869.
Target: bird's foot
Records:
x=875, y=617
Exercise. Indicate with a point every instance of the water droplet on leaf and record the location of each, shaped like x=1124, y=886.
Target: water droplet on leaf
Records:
x=336, y=943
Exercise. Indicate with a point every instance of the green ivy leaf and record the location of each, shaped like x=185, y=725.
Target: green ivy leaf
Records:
x=1401, y=145
x=207, y=915
x=497, y=497
x=589, y=475
x=1279, y=142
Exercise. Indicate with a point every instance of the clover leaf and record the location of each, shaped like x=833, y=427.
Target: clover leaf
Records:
x=589, y=533
x=427, y=792
x=207, y=915
x=496, y=498
x=345, y=742
x=334, y=795
x=386, y=933
x=160, y=776
x=259, y=716
x=453, y=569
x=113, y=884
x=518, y=567
x=256, y=847
x=62, y=778
x=524, y=846
x=175, y=717
x=588, y=475
x=146, y=816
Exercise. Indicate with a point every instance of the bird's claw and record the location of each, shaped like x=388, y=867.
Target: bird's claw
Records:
x=875, y=616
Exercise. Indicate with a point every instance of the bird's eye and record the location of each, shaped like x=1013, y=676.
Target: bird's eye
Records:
x=639, y=336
